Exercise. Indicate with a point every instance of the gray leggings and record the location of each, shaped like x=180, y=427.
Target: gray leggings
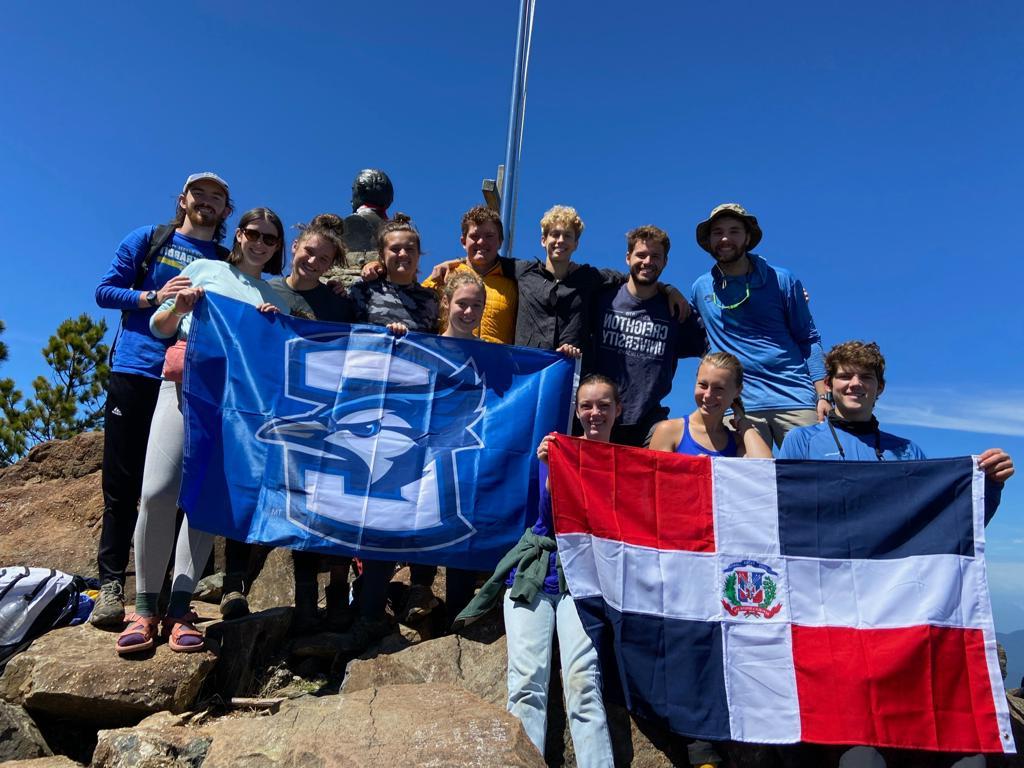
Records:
x=161, y=481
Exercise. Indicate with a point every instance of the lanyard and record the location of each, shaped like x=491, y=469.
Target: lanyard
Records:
x=842, y=453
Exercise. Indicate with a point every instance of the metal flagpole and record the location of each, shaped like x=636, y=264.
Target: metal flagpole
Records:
x=516, y=120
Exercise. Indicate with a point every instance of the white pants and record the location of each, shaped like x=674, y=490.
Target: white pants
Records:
x=529, y=629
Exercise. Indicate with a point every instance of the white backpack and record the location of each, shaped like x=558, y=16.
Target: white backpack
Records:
x=32, y=601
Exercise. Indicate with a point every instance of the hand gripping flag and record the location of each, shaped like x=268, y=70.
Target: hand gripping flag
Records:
x=784, y=601
x=345, y=439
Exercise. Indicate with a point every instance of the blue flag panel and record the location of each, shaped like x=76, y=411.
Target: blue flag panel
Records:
x=345, y=439
x=648, y=660
x=882, y=510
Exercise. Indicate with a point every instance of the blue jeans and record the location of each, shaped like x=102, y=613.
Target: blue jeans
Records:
x=529, y=629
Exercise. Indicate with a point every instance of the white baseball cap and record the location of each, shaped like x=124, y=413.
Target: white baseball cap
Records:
x=204, y=175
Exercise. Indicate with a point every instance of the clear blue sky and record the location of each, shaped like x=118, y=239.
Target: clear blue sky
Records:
x=878, y=144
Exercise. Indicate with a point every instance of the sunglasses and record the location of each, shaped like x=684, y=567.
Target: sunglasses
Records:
x=720, y=305
x=252, y=235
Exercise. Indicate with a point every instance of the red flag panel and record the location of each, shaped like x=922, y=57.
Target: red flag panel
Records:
x=641, y=497
x=924, y=686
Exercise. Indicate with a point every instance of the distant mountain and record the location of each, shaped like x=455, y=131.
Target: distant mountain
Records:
x=1013, y=642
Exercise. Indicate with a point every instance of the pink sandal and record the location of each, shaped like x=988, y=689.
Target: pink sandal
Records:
x=181, y=633
x=140, y=634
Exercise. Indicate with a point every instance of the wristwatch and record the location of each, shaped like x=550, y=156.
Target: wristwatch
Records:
x=151, y=298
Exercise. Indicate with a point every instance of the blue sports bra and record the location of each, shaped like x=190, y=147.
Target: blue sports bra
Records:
x=690, y=447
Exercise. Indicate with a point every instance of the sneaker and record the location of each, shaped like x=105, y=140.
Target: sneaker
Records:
x=419, y=604
x=234, y=605
x=109, y=608
x=364, y=633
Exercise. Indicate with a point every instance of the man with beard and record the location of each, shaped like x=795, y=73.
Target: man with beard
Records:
x=145, y=273
x=637, y=341
x=758, y=312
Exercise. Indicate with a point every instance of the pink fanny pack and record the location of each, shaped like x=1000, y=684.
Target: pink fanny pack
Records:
x=174, y=362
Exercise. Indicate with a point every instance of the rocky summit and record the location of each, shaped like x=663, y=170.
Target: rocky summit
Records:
x=259, y=695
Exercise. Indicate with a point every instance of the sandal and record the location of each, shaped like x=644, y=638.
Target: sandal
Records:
x=140, y=634
x=181, y=633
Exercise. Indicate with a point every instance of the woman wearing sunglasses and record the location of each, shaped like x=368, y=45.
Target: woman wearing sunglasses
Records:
x=258, y=248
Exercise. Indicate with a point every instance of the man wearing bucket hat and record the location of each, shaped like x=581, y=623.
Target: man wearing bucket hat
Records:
x=144, y=273
x=758, y=312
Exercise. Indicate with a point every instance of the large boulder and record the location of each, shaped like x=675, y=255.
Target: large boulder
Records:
x=423, y=725
x=275, y=586
x=51, y=506
x=19, y=737
x=481, y=668
x=57, y=761
x=163, y=740
x=247, y=647
x=75, y=672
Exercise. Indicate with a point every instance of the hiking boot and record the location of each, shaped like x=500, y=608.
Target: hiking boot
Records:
x=418, y=604
x=109, y=608
x=234, y=605
x=364, y=633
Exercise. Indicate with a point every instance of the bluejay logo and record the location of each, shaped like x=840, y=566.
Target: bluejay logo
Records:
x=374, y=462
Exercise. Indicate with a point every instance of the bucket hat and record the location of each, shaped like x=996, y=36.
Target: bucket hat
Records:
x=728, y=209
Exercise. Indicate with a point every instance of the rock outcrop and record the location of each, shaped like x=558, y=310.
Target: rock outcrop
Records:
x=75, y=672
x=20, y=739
x=423, y=725
x=51, y=506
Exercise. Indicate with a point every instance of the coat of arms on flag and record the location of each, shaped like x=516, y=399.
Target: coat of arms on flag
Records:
x=738, y=599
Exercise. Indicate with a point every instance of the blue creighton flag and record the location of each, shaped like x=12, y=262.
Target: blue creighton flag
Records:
x=345, y=439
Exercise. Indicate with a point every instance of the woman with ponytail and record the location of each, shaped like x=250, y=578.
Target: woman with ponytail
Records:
x=319, y=246
x=703, y=432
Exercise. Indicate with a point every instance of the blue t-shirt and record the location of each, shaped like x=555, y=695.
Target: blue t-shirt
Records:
x=772, y=333
x=817, y=442
x=136, y=349
x=637, y=344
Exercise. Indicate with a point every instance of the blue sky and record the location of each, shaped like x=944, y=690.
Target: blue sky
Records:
x=878, y=144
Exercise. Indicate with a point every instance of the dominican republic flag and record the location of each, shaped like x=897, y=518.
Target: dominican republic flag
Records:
x=784, y=601
x=346, y=439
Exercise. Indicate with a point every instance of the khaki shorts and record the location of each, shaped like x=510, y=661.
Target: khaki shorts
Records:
x=772, y=425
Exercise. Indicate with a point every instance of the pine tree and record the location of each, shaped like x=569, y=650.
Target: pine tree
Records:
x=67, y=403
x=12, y=439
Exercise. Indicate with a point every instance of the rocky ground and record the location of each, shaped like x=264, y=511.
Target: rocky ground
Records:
x=259, y=696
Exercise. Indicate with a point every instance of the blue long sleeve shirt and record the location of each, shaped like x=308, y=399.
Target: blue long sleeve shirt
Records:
x=772, y=333
x=136, y=349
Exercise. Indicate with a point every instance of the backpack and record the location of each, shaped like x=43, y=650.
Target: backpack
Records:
x=32, y=602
